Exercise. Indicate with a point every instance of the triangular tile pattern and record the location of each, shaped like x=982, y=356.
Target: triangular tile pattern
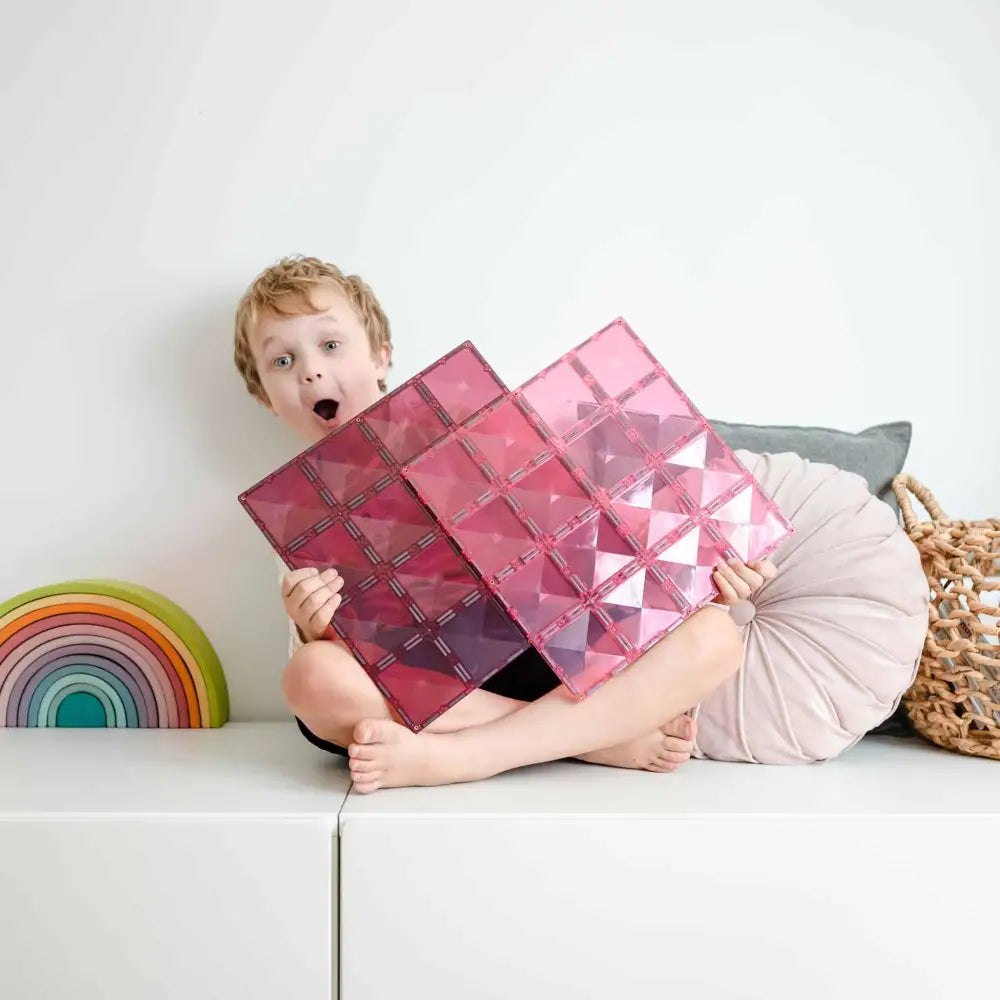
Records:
x=605, y=501
x=411, y=603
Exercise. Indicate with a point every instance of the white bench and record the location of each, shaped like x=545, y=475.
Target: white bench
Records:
x=203, y=864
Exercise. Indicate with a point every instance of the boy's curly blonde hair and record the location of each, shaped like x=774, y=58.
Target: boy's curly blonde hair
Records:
x=285, y=289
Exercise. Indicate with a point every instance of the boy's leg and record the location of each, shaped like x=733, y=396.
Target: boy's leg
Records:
x=330, y=692
x=683, y=668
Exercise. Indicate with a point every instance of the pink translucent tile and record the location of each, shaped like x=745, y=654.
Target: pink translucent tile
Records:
x=414, y=612
x=286, y=505
x=596, y=504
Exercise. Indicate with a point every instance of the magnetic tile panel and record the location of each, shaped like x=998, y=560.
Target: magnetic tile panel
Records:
x=595, y=502
x=411, y=604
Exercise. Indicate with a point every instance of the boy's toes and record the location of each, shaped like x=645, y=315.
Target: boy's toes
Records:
x=362, y=765
x=363, y=780
x=681, y=728
x=367, y=784
x=361, y=751
x=663, y=766
x=675, y=745
x=373, y=730
x=674, y=756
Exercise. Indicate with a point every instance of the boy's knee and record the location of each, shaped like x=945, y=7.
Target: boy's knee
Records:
x=721, y=640
x=306, y=677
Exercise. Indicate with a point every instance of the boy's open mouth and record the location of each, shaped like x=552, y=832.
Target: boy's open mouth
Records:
x=326, y=409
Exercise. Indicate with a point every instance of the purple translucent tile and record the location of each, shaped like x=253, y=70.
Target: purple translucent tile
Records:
x=594, y=551
x=537, y=594
x=606, y=455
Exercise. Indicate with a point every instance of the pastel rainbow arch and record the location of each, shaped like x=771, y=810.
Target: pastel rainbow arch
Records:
x=108, y=654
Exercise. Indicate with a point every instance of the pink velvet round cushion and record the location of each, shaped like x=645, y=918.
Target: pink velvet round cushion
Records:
x=831, y=644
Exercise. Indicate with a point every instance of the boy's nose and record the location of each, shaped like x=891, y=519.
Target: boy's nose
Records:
x=314, y=377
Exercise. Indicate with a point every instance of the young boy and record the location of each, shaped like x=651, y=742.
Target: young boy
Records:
x=314, y=347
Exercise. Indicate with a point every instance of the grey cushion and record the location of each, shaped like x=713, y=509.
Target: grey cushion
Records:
x=876, y=454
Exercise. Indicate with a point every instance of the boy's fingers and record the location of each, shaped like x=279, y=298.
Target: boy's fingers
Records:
x=304, y=589
x=725, y=588
x=317, y=599
x=322, y=618
x=741, y=583
x=750, y=577
x=765, y=567
x=309, y=584
x=294, y=577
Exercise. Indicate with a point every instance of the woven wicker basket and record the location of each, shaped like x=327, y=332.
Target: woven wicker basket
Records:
x=955, y=699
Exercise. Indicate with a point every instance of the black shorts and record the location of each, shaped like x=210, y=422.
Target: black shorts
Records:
x=526, y=678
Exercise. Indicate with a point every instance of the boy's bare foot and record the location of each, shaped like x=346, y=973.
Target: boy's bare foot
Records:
x=385, y=754
x=664, y=749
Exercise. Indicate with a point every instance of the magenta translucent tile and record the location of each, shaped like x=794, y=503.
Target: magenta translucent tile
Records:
x=504, y=438
x=494, y=533
x=335, y=545
x=436, y=578
x=346, y=463
x=602, y=510
x=405, y=422
x=537, y=593
x=447, y=478
x=463, y=383
x=549, y=496
x=411, y=603
x=392, y=520
x=286, y=505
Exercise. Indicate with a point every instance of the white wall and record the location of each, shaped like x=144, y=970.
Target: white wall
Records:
x=795, y=204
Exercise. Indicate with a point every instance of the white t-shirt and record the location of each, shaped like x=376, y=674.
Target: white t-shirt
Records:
x=294, y=641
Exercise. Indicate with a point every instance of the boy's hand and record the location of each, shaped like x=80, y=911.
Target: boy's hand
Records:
x=738, y=580
x=310, y=598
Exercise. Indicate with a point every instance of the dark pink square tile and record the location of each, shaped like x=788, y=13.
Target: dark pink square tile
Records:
x=286, y=505
x=344, y=502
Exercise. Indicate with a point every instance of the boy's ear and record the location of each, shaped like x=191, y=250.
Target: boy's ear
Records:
x=383, y=359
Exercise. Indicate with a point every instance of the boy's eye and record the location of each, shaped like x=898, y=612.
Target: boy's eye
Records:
x=329, y=345
x=283, y=362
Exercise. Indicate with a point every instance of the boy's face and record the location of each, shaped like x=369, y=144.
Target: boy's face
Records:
x=317, y=369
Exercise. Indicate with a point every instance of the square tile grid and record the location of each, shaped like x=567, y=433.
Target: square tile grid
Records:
x=595, y=502
x=413, y=612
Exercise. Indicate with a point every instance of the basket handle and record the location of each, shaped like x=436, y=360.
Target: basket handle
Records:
x=903, y=483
